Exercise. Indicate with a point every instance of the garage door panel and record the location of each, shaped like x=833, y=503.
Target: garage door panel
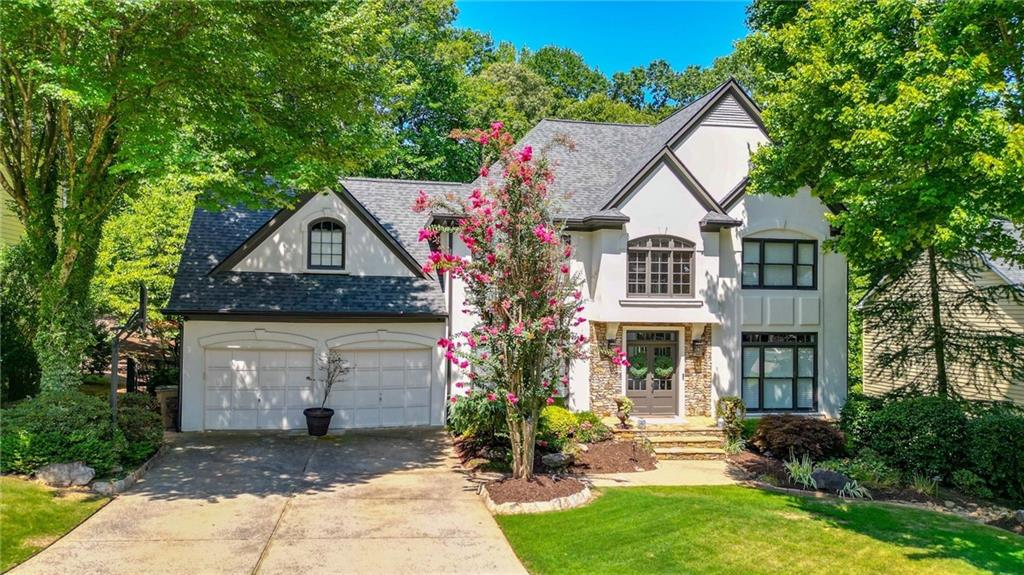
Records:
x=367, y=417
x=417, y=359
x=218, y=358
x=343, y=419
x=245, y=360
x=340, y=398
x=298, y=379
x=392, y=398
x=416, y=397
x=392, y=379
x=273, y=378
x=272, y=399
x=366, y=398
x=417, y=415
x=245, y=379
x=245, y=399
x=300, y=359
x=218, y=399
x=273, y=359
x=233, y=419
x=392, y=359
x=220, y=377
x=366, y=360
x=303, y=398
x=417, y=379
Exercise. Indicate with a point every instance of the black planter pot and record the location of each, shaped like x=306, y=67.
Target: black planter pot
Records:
x=318, y=420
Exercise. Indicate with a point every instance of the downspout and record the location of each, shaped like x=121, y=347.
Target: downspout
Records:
x=448, y=334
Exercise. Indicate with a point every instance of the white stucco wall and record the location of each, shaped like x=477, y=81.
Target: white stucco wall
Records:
x=316, y=337
x=718, y=155
x=285, y=250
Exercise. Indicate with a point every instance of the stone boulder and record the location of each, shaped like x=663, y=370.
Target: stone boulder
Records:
x=830, y=481
x=1019, y=514
x=65, y=474
x=557, y=460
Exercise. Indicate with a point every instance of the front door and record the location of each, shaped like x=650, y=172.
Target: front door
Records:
x=651, y=378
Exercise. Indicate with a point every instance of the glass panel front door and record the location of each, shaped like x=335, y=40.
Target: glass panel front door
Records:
x=652, y=379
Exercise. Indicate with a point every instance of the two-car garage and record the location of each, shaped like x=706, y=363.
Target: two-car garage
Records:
x=264, y=379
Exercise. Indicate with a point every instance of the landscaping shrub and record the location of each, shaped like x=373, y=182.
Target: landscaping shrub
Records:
x=558, y=422
x=591, y=429
x=59, y=428
x=969, y=483
x=732, y=411
x=995, y=451
x=867, y=468
x=138, y=417
x=854, y=417
x=474, y=415
x=919, y=435
x=749, y=428
x=793, y=436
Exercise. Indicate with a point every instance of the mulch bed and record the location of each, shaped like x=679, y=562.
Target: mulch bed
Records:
x=540, y=488
x=613, y=457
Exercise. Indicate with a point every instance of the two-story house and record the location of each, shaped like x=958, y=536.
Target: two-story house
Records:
x=713, y=291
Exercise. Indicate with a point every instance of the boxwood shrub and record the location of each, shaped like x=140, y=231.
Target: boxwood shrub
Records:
x=919, y=435
x=995, y=449
x=854, y=418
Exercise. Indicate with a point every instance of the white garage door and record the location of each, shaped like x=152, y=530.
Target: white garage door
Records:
x=386, y=388
x=264, y=389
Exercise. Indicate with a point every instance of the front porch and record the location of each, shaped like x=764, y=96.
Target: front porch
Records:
x=669, y=380
x=698, y=438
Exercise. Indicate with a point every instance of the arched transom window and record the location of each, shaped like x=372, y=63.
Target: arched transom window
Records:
x=326, y=245
x=660, y=266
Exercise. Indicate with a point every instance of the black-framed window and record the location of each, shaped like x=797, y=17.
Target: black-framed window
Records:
x=780, y=264
x=326, y=245
x=780, y=371
x=659, y=266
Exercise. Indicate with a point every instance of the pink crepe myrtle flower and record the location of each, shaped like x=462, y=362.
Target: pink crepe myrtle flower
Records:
x=544, y=234
x=491, y=397
x=453, y=399
x=427, y=234
x=422, y=202
x=518, y=329
x=511, y=397
x=491, y=258
x=463, y=364
x=484, y=172
x=526, y=154
x=565, y=268
x=550, y=400
x=497, y=127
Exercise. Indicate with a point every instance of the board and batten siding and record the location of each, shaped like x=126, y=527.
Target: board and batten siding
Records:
x=970, y=382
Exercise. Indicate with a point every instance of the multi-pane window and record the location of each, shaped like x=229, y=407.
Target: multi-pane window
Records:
x=780, y=371
x=780, y=264
x=659, y=266
x=326, y=245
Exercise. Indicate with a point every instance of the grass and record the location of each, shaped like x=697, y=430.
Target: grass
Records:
x=732, y=529
x=32, y=516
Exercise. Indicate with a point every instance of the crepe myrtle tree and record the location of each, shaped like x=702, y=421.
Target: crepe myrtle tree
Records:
x=519, y=286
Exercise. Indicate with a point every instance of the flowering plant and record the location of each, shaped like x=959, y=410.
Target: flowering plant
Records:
x=518, y=284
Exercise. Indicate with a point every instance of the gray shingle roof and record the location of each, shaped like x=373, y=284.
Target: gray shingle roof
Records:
x=1009, y=271
x=602, y=159
x=213, y=236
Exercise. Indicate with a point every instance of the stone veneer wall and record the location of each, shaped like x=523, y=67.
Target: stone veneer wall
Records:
x=606, y=382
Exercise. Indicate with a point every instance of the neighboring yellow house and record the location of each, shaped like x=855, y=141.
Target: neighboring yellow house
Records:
x=969, y=381
x=11, y=229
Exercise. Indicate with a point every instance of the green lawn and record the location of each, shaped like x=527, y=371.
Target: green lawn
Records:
x=741, y=530
x=32, y=516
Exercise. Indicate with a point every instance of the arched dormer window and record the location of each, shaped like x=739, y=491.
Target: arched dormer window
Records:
x=660, y=266
x=326, y=245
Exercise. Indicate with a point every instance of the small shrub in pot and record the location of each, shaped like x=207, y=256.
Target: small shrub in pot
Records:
x=793, y=436
x=318, y=419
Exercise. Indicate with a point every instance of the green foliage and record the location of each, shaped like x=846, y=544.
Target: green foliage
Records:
x=138, y=417
x=855, y=415
x=734, y=445
x=919, y=435
x=733, y=412
x=566, y=71
x=591, y=429
x=924, y=485
x=638, y=365
x=749, y=428
x=98, y=354
x=867, y=468
x=794, y=436
x=663, y=366
x=60, y=427
x=854, y=490
x=995, y=451
x=19, y=299
x=474, y=415
x=968, y=483
x=800, y=471
x=557, y=421
x=142, y=245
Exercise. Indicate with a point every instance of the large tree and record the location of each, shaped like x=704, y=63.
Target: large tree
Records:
x=906, y=119
x=99, y=97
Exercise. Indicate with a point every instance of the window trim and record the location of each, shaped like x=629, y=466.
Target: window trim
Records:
x=688, y=247
x=795, y=346
x=795, y=265
x=309, y=245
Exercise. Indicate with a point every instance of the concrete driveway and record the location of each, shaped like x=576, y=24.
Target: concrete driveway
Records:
x=366, y=502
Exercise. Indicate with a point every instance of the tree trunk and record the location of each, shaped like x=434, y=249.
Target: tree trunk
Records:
x=523, y=434
x=938, y=332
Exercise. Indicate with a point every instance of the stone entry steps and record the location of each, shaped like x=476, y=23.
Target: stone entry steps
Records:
x=679, y=441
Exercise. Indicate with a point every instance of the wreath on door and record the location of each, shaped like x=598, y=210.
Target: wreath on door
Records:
x=664, y=366
x=638, y=365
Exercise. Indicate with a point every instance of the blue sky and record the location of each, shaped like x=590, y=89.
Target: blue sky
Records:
x=614, y=36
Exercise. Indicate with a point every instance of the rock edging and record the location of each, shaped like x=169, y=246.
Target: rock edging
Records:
x=578, y=499
x=117, y=486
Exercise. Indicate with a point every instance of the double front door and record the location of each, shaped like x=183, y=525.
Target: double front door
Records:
x=652, y=379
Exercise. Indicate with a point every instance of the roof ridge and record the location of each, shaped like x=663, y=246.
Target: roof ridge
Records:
x=593, y=122
x=729, y=80
x=405, y=181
